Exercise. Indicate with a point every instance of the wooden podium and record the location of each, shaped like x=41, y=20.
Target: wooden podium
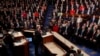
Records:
x=57, y=45
x=51, y=47
x=21, y=45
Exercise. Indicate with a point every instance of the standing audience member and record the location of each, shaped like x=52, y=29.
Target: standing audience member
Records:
x=56, y=28
x=79, y=19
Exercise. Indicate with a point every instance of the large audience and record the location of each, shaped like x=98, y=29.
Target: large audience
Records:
x=25, y=14
x=76, y=20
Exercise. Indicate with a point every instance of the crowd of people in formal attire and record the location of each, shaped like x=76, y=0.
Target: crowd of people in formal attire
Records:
x=73, y=7
x=76, y=20
x=25, y=14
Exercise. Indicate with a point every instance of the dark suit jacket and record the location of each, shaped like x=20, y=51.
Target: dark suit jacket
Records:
x=89, y=34
x=62, y=30
x=84, y=32
x=37, y=37
x=94, y=20
x=78, y=32
x=97, y=38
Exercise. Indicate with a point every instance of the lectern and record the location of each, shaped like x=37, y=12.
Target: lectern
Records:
x=21, y=45
x=51, y=47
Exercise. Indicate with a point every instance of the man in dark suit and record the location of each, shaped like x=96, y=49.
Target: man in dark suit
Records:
x=96, y=39
x=76, y=33
x=37, y=41
x=89, y=33
x=82, y=34
x=93, y=20
x=68, y=30
x=88, y=36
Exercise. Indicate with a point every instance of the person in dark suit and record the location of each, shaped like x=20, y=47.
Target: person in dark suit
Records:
x=88, y=36
x=96, y=39
x=76, y=34
x=38, y=41
x=83, y=31
x=93, y=20
x=82, y=34
x=67, y=31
